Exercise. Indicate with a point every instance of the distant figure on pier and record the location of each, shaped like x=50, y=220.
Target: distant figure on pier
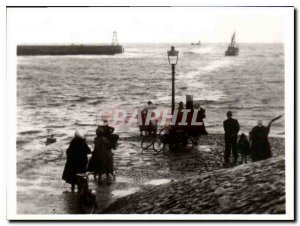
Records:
x=244, y=148
x=76, y=159
x=101, y=161
x=259, y=142
x=231, y=128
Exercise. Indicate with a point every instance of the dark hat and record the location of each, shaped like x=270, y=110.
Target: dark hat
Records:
x=229, y=113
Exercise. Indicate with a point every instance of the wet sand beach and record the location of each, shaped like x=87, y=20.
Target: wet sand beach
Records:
x=41, y=190
x=60, y=94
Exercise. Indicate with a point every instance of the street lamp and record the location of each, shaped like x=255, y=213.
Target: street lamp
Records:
x=173, y=59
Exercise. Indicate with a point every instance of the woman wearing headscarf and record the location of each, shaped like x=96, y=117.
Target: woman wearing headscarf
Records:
x=259, y=142
x=76, y=159
x=101, y=161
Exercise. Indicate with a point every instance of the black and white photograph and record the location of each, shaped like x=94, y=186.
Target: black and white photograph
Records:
x=150, y=113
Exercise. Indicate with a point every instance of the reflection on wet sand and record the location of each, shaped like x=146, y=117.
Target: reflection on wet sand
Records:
x=135, y=171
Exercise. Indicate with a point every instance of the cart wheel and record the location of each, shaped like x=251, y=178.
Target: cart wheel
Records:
x=147, y=141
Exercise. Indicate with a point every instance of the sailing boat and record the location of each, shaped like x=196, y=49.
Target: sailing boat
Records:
x=233, y=49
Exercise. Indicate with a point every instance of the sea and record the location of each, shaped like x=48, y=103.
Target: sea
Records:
x=59, y=94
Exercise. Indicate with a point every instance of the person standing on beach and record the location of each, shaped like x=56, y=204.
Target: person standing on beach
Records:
x=231, y=128
x=259, y=142
x=76, y=159
x=244, y=148
x=143, y=114
x=109, y=133
x=101, y=161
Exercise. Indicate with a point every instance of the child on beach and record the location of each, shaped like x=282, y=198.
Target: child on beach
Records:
x=244, y=148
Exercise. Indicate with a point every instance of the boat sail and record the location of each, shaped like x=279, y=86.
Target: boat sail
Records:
x=233, y=49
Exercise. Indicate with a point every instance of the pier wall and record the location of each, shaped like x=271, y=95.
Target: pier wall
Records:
x=23, y=50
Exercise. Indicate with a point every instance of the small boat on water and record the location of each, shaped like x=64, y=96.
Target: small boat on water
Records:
x=233, y=49
x=196, y=44
x=50, y=140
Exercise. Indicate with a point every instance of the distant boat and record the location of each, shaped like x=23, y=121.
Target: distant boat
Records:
x=233, y=49
x=196, y=44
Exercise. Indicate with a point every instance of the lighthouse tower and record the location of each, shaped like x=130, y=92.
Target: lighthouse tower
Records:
x=115, y=39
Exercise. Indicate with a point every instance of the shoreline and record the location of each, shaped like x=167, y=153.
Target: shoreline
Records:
x=135, y=168
x=238, y=190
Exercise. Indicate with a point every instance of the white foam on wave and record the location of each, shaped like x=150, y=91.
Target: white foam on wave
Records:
x=212, y=66
x=201, y=50
x=218, y=64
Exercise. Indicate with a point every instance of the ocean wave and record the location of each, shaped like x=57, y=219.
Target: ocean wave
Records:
x=199, y=50
x=215, y=102
x=211, y=67
x=30, y=132
x=218, y=64
x=95, y=102
x=55, y=126
x=54, y=104
x=84, y=124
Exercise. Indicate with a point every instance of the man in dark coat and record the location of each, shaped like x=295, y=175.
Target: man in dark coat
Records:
x=76, y=159
x=231, y=128
x=260, y=146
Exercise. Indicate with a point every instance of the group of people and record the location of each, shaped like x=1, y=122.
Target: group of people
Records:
x=101, y=161
x=257, y=147
x=193, y=130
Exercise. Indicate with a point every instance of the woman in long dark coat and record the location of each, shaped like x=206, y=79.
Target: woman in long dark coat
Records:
x=101, y=161
x=76, y=159
x=260, y=146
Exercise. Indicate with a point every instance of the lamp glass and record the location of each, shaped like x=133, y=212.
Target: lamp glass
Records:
x=173, y=55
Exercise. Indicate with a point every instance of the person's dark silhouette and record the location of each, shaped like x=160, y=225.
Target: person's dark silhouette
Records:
x=231, y=128
x=260, y=146
x=179, y=117
x=151, y=128
x=109, y=133
x=101, y=161
x=76, y=159
x=199, y=129
x=244, y=148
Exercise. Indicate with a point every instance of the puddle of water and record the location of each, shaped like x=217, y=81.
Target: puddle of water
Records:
x=125, y=192
x=122, y=179
x=206, y=148
x=158, y=182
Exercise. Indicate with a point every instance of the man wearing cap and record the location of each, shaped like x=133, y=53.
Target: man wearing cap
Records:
x=231, y=128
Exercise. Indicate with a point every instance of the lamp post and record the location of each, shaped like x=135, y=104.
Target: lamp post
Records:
x=173, y=59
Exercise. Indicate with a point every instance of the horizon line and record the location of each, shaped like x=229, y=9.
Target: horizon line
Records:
x=137, y=42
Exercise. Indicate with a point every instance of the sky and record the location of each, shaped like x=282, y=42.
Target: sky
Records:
x=164, y=24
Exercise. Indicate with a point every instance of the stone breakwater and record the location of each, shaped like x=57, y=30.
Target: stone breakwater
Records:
x=257, y=188
x=33, y=50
